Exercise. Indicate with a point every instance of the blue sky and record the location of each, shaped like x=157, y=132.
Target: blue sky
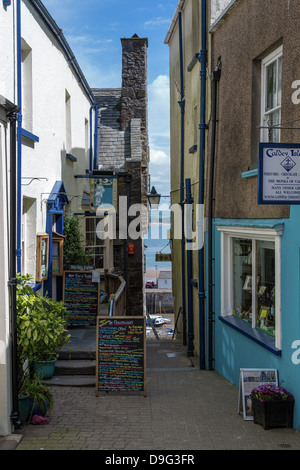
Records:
x=93, y=29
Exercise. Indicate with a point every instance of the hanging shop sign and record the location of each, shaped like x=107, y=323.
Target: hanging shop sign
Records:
x=164, y=257
x=279, y=174
x=105, y=192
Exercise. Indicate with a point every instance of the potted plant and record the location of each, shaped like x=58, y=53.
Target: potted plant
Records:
x=272, y=406
x=41, y=328
x=23, y=396
x=74, y=244
x=41, y=397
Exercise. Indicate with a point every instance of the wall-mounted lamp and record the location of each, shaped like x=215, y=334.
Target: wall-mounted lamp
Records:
x=153, y=197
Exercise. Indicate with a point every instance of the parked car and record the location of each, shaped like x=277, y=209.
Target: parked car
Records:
x=150, y=284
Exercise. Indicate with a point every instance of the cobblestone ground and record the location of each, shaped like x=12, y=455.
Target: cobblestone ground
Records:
x=185, y=409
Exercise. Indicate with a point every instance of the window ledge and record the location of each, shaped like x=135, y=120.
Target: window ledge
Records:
x=250, y=173
x=261, y=338
x=71, y=157
x=30, y=136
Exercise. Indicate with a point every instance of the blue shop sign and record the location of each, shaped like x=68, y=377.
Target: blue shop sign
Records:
x=279, y=174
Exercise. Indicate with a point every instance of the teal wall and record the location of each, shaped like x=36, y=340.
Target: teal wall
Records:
x=233, y=350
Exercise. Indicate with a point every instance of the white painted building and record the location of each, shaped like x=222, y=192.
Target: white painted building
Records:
x=39, y=74
x=164, y=280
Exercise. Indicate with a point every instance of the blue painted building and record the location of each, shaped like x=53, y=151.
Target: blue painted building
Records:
x=253, y=249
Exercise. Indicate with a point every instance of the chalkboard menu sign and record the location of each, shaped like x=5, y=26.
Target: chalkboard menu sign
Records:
x=81, y=298
x=121, y=357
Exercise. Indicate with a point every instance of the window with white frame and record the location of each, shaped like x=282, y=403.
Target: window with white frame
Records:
x=271, y=91
x=93, y=244
x=250, y=279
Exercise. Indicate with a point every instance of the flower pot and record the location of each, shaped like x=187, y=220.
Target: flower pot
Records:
x=24, y=407
x=44, y=369
x=273, y=413
x=36, y=409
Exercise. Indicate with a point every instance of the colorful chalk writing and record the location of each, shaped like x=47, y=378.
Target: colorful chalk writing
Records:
x=121, y=354
x=81, y=298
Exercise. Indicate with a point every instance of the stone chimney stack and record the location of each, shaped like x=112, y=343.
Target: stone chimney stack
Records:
x=134, y=87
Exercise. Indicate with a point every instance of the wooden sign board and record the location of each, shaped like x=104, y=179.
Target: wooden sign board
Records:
x=166, y=257
x=121, y=354
x=250, y=379
x=81, y=298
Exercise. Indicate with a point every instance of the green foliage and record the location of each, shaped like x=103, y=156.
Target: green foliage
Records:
x=39, y=393
x=41, y=326
x=74, y=245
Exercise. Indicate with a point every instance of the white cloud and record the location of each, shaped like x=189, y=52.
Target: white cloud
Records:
x=159, y=133
x=159, y=157
x=158, y=21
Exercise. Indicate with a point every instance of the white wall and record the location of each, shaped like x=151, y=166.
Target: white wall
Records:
x=48, y=76
x=8, y=92
x=52, y=78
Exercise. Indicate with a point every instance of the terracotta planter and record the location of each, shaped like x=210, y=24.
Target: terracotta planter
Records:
x=274, y=413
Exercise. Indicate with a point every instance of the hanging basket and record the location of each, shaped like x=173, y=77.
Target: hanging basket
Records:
x=273, y=413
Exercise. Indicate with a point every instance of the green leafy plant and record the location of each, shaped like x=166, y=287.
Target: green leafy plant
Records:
x=41, y=325
x=74, y=244
x=40, y=395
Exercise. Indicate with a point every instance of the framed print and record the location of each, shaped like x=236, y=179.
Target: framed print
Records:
x=57, y=254
x=42, y=257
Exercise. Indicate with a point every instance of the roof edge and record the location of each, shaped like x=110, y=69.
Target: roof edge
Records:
x=58, y=34
x=221, y=18
x=174, y=21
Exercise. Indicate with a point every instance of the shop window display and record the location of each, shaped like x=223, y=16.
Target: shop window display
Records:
x=254, y=283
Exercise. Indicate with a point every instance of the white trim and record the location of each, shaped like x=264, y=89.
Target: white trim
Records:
x=274, y=56
x=255, y=234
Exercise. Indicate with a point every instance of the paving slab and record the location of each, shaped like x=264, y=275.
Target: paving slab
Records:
x=185, y=409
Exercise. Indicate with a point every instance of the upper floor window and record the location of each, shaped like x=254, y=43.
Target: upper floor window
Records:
x=27, y=97
x=271, y=96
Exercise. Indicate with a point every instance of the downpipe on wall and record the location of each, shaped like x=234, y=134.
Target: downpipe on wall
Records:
x=182, y=108
x=215, y=77
x=202, y=127
x=12, y=271
x=19, y=140
x=189, y=266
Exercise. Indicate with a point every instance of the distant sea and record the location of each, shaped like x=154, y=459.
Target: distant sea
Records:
x=157, y=242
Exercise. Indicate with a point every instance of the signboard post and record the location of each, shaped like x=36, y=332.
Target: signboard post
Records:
x=81, y=297
x=121, y=354
x=279, y=174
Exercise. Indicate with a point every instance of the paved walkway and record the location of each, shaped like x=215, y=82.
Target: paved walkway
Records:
x=185, y=409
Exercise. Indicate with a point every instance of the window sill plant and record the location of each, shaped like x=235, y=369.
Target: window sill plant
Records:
x=272, y=406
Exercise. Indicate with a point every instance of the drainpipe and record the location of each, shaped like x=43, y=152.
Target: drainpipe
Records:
x=215, y=77
x=19, y=133
x=202, y=127
x=182, y=107
x=189, y=200
x=91, y=139
x=96, y=138
x=12, y=270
